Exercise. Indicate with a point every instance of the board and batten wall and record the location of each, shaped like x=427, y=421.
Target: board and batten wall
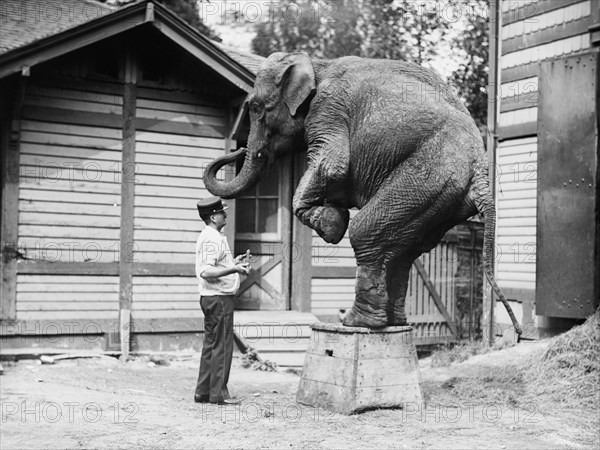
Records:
x=176, y=137
x=71, y=183
x=530, y=32
x=69, y=199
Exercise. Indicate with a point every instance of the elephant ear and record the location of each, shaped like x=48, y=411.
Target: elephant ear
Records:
x=296, y=80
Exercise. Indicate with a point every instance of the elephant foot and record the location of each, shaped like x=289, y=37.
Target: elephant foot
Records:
x=398, y=317
x=369, y=309
x=329, y=222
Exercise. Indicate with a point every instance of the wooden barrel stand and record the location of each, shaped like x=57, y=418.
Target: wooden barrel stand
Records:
x=348, y=369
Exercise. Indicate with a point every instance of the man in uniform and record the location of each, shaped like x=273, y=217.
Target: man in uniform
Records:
x=219, y=280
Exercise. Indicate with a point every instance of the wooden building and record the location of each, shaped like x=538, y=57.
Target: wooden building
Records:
x=108, y=118
x=544, y=62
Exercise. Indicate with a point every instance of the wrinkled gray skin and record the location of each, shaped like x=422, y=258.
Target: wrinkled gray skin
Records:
x=387, y=137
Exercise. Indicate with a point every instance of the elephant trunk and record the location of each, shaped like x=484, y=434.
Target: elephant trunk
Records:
x=246, y=179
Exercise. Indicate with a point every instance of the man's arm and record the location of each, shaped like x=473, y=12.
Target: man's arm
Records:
x=218, y=272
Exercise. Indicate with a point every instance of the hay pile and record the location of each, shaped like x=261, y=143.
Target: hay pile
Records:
x=568, y=371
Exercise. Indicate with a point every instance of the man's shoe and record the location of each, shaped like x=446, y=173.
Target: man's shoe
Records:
x=201, y=398
x=228, y=401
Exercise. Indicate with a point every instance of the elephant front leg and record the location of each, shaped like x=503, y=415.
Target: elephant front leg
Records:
x=329, y=221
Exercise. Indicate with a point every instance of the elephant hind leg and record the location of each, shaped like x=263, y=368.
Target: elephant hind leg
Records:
x=369, y=309
x=397, y=284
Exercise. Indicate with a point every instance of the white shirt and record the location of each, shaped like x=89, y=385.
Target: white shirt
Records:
x=212, y=250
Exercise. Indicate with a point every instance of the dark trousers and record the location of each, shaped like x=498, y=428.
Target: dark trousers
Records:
x=217, y=349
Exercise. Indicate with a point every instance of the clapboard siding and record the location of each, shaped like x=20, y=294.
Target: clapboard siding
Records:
x=70, y=186
x=165, y=297
x=547, y=20
x=516, y=200
x=48, y=297
x=168, y=175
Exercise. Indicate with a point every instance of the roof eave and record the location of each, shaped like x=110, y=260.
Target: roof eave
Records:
x=122, y=20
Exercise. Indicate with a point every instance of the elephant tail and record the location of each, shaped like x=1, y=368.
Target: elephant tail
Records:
x=481, y=195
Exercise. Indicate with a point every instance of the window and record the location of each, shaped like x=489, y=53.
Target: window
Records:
x=257, y=211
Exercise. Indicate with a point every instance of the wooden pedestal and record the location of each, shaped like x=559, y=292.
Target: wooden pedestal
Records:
x=349, y=369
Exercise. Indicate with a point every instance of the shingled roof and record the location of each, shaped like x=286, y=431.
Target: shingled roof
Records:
x=24, y=23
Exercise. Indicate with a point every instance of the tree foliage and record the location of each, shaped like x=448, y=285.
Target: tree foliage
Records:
x=392, y=29
x=471, y=78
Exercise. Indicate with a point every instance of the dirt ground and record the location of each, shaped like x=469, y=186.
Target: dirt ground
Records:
x=104, y=403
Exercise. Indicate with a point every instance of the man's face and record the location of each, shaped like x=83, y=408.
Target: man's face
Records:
x=220, y=219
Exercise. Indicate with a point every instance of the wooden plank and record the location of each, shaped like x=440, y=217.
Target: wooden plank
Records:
x=547, y=35
x=166, y=306
x=518, y=130
x=146, y=271
x=166, y=98
x=80, y=281
x=165, y=224
x=67, y=306
x=73, y=297
x=72, y=105
x=528, y=10
x=88, y=153
x=181, y=128
x=166, y=235
x=53, y=83
x=84, y=94
x=165, y=298
x=81, y=187
x=162, y=257
x=199, y=161
x=56, y=115
x=127, y=244
x=156, y=246
x=68, y=268
x=181, y=117
x=68, y=232
x=161, y=180
x=436, y=297
x=159, y=291
x=175, y=139
x=72, y=287
x=169, y=213
x=72, y=130
x=172, y=171
x=66, y=219
x=333, y=272
x=97, y=202
x=165, y=191
x=167, y=281
x=521, y=101
x=9, y=218
x=207, y=153
x=85, y=317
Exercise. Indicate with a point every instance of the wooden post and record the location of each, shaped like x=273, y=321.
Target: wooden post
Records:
x=492, y=135
x=10, y=143
x=127, y=247
x=301, y=257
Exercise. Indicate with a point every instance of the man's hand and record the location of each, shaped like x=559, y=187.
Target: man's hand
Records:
x=245, y=257
x=243, y=268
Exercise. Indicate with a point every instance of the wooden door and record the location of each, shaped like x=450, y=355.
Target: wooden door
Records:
x=263, y=225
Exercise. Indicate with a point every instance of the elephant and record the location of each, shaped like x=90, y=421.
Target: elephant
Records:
x=389, y=138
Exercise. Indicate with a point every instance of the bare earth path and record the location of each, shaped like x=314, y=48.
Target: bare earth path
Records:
x=103, y=403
